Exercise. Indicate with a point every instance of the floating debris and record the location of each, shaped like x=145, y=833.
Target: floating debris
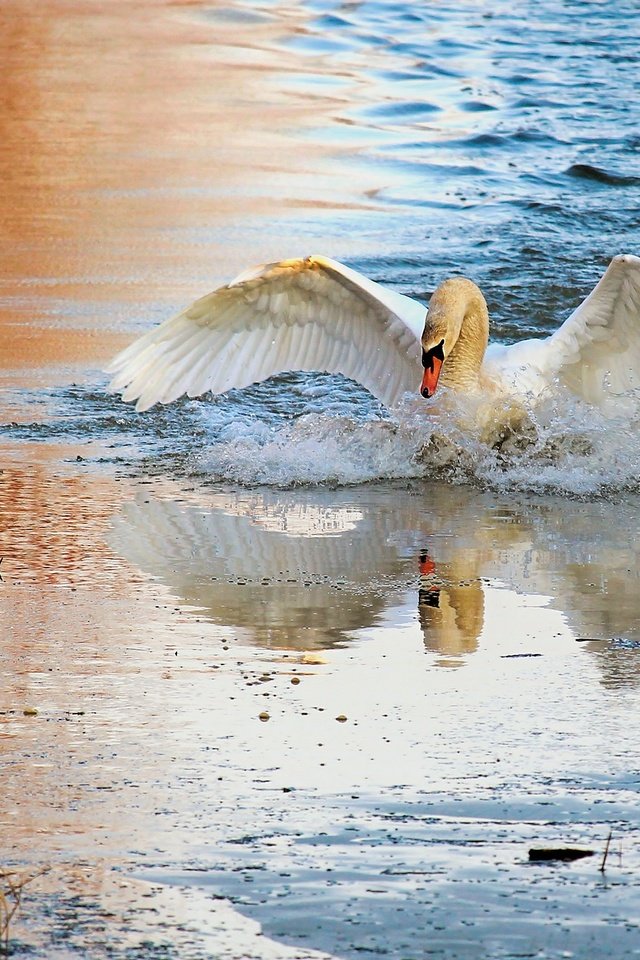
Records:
x=558, y=853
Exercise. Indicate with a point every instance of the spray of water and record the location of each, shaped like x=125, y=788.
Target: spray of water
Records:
x=303, y=430
x=555, y=445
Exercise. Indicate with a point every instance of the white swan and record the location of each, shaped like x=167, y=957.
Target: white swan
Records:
x=317, y=314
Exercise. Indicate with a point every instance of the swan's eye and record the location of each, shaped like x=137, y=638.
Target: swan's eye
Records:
x=436, y=353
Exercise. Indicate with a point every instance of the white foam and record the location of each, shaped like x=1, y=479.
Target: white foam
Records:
x=314, y=449
x=561, y=446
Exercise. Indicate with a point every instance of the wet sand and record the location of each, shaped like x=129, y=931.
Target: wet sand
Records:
x=157, y=629
x=254, y=694
x=237, y=723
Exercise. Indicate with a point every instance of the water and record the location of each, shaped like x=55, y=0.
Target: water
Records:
x=466, y=599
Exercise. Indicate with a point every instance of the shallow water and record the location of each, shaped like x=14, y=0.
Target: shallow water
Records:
x=468, y=686
x=467, y=602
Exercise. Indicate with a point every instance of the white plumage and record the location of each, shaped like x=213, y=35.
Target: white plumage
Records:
x=317, y=314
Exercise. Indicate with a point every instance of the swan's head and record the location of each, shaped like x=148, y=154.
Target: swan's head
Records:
x=457, y=323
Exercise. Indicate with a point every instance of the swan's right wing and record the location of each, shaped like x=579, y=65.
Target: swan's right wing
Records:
x=596, y=351
x=306, y=314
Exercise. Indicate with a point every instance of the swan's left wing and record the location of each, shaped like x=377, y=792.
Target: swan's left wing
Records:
x=596, y=351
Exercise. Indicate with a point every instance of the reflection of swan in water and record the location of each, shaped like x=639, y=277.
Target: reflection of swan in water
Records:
x=317, y=314
x=450, y=609
x=297, y=570
x=304, y=570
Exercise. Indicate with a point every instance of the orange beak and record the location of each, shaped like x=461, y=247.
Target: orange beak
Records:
x=430, y=376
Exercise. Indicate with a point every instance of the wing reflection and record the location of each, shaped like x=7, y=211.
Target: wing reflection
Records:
x=294, y=574
x=303, y=570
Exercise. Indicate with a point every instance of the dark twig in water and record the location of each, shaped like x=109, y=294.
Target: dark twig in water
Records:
x=606, y=853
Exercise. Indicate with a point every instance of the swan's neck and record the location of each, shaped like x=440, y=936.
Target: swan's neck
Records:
x=459, y=308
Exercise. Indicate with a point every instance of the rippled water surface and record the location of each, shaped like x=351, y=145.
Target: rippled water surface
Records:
x=285, y=675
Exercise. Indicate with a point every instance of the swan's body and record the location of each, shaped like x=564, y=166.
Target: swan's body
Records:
x=317, y=314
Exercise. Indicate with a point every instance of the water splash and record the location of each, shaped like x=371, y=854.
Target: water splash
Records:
x=314, y=449
x=560, y=445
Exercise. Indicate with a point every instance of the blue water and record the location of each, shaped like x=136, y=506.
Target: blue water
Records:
x=506, y=139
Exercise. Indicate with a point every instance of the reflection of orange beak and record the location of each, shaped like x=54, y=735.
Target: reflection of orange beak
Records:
x=426, y=565
x=430, y=377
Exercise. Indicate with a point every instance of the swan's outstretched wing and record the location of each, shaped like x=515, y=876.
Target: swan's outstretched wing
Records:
x=306, y=314
x=596, y=351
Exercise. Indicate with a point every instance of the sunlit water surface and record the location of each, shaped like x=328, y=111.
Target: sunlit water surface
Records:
x=466, y=602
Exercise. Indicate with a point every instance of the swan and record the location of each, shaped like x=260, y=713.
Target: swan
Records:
x=314, y=313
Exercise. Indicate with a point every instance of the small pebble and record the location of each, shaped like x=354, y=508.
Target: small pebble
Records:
x=264, y=716
x=341, y=718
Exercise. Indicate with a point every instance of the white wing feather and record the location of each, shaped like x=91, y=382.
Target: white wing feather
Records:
x=305, y=314
x=596, y=351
